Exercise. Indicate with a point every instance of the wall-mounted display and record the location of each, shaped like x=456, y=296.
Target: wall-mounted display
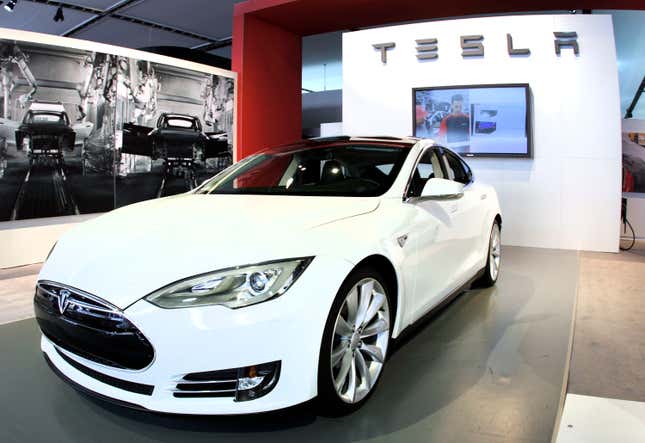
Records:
x=479, y=120
x=84, y=131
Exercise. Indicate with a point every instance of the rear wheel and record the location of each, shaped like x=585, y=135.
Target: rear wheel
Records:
x=493, y=262
x=355, y=343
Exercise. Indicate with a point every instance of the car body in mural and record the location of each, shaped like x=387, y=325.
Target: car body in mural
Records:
x=44, y=131
x=177, y=139
x=324, y=251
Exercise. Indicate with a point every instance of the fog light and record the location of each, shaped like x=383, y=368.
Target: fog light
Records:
x=256, y=381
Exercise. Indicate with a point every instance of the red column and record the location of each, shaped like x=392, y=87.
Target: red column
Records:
x=268, y=60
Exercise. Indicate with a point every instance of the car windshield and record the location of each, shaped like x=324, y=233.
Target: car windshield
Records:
x=352, y=170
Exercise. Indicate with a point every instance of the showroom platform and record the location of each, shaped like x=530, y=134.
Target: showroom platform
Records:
x=489, y=367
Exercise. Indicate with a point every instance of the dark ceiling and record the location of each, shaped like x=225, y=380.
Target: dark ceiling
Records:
x=200, y=24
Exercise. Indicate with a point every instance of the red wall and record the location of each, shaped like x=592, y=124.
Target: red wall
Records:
x=268, y=60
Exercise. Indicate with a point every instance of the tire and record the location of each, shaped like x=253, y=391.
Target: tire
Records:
x=493, y=259
x=364, y=366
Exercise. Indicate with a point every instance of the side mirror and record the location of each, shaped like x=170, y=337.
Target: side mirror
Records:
x=442, y=189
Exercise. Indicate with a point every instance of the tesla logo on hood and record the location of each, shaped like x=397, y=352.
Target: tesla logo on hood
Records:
x=62, y=300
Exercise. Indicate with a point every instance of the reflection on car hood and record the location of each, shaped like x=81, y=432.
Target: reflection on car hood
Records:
x=128, y=253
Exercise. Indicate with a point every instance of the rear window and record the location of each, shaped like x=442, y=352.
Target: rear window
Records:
x=180, y=123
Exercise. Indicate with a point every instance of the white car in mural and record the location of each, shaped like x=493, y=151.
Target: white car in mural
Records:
x=283, y=278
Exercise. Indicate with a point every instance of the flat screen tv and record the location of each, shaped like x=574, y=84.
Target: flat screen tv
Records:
x=477, y=120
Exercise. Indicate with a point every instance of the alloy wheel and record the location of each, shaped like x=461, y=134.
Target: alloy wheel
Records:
x=495, y=252
x=360, y=340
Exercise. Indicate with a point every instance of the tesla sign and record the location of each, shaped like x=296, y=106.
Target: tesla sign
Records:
x=473, y=46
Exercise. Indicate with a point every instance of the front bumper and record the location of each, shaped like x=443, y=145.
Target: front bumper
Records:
x=287, y=329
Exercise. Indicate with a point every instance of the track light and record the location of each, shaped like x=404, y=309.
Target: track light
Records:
x=59, y=17
x=10, y=5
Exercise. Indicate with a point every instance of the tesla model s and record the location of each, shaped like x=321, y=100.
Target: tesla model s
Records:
x=281, y=279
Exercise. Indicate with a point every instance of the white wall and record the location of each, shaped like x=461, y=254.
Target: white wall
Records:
x=24, y=242
x=568, y=195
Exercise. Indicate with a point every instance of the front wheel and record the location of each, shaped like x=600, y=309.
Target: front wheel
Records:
x=493, y=261
x=354, y=344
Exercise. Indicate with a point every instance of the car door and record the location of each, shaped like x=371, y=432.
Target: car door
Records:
x=434, y=259
x=466, y=214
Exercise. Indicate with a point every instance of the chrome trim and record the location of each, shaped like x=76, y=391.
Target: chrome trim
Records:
x=201, y=382
x=406, y=199
x=108, y=307
x=423, y=198
x=204, y=392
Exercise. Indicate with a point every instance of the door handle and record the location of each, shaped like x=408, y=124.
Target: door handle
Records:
x=453, y=208
x=483, y=196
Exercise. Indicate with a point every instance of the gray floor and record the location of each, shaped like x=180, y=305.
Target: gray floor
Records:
x=488, y=368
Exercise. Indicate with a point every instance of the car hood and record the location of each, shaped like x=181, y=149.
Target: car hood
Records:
x=130, y=252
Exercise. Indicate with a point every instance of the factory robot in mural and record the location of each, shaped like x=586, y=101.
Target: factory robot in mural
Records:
x=178, y=139
x=45, y=133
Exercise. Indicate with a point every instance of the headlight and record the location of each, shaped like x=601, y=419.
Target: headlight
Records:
x=233, y=287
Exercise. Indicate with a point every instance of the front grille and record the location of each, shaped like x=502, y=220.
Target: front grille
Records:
x=87, y=326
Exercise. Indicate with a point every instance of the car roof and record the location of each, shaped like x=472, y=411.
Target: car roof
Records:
x=368, y=138
x=312, y=143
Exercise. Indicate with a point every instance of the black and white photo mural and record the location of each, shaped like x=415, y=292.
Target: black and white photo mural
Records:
x=56, y=131
x=84, y=132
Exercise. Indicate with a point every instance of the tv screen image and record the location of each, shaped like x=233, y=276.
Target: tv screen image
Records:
x=481, y=120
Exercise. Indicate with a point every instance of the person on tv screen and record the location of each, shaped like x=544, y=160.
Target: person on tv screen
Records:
x=421, y=115
x=455, y=127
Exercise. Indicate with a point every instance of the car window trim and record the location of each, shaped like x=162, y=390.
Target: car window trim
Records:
x=437, y=149
x=466, y=168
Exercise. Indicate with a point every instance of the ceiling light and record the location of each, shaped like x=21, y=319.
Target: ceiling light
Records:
x=10, y=5
x=59, y=17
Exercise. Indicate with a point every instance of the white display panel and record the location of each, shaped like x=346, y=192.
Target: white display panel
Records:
x=568, y=195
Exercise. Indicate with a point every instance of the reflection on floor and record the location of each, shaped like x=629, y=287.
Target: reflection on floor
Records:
x=487, y=368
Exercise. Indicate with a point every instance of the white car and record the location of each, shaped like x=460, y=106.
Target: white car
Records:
x=281, y=279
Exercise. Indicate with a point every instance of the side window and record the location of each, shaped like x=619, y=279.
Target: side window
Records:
x=427, y=168
x=456, y=168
